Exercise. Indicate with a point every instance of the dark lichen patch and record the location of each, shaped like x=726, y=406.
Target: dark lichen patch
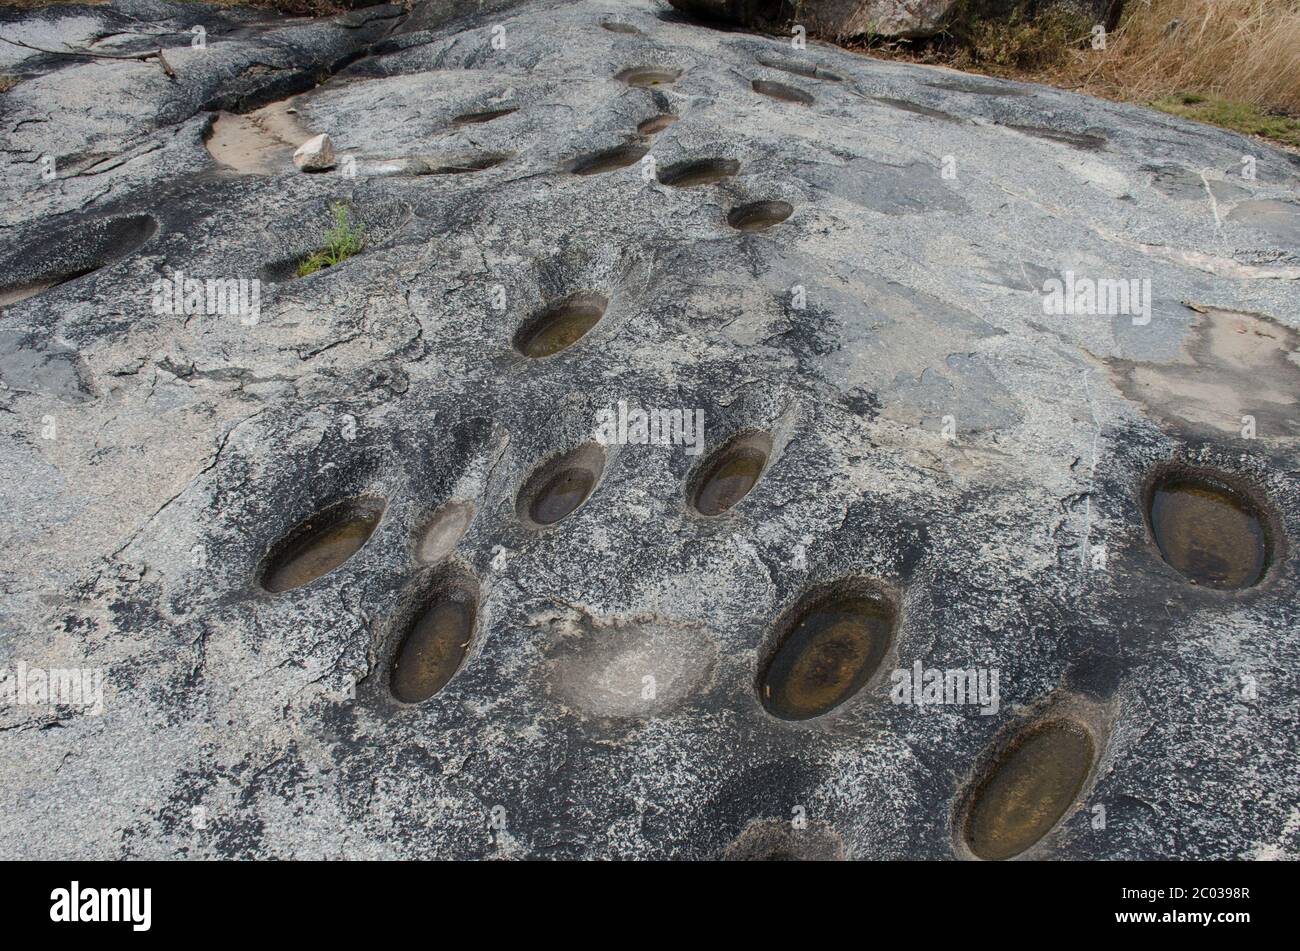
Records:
x=1281, y=219
x=1209, y=531
x=1084, y=141
x=34, y=363
x=71, y=254
x=759, y=215
x=320, y=544
x=916, y=108
x=808, y=71
x=783, y=92
x=656, y=124
x=698, y=172
x=609, y=160
x=827, y=648
x=624, y=28
x=557, y=488
x=436, y=644
x=649, y=76
x=729, y=473
x=1185, y=184
x=1031, y=786
x=977, y=88
x=561, y=325
x=477, y=118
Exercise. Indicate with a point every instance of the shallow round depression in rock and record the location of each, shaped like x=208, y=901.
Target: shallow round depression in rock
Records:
x=656, y=124
x=649, y=76
x=729, y=473
x=465, y=164
x=436, y=644
x=561, y=325
x=600, y=670
x=782, y=91
x=560, y=486
x=477, y=118
x=1030, y=787
x=1210, y=532
x=443, y=532
x=609, y=160
x=72, y=253
x=759, y=215
x=322, y=543
x=833, y=643
x=698, y=172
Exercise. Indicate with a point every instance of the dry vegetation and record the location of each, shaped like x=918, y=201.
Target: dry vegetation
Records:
x=1243, y=50
x=1234, y=63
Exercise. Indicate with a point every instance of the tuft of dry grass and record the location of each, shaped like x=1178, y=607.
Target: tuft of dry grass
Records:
x=1239, y=50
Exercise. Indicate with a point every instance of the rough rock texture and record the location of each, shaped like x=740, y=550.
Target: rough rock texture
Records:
x=901, y=18
x=932, y=428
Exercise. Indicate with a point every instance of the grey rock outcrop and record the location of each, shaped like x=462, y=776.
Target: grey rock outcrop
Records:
x=852, y=286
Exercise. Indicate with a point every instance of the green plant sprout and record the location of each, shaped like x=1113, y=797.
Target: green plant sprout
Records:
x=342, y=241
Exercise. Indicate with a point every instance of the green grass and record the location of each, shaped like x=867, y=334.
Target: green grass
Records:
x=341, y=242
x=1237, y=116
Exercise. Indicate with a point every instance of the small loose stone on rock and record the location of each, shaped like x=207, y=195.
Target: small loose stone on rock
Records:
x=315, y=155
